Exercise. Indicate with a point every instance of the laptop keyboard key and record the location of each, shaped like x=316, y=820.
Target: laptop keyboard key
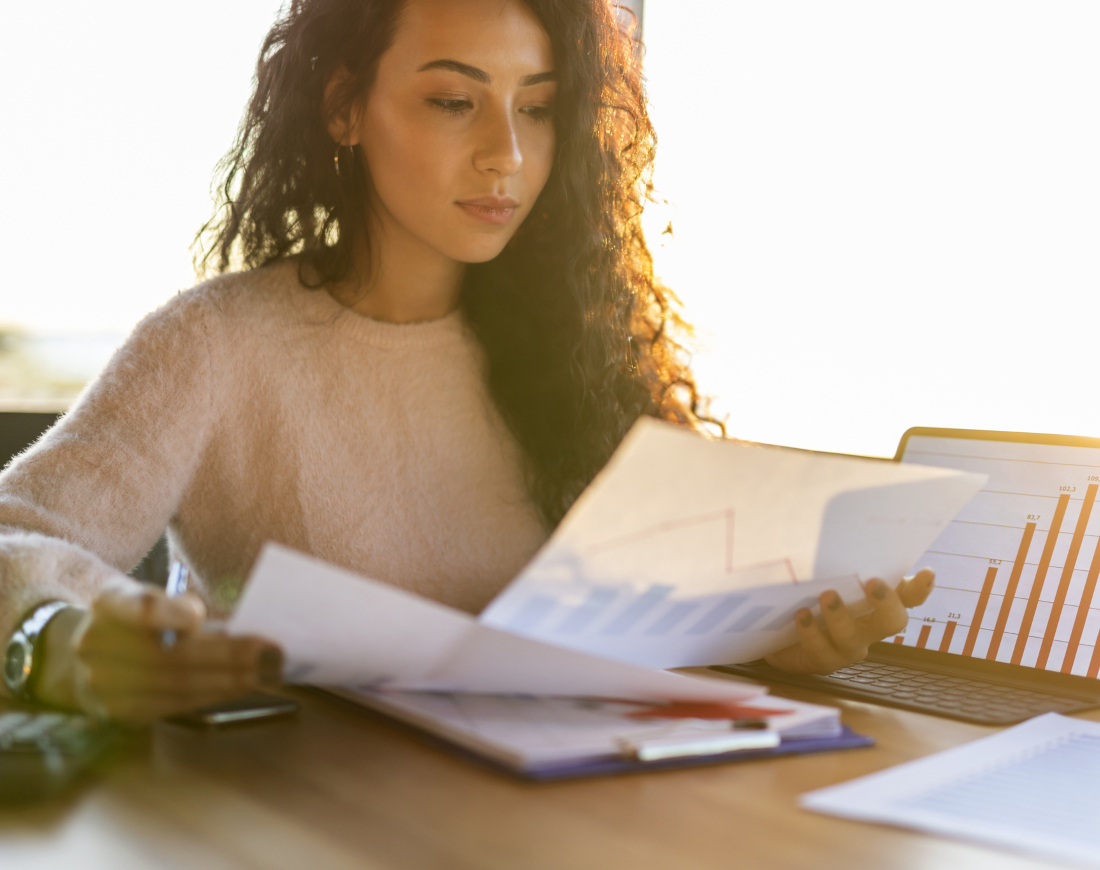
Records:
x=876, y=688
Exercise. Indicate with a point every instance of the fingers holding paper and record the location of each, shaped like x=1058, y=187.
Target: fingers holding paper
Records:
x=111, y=659
x=839, y=639
x=914, y=590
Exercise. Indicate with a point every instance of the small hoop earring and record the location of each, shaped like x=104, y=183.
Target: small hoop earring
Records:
x=336, y=161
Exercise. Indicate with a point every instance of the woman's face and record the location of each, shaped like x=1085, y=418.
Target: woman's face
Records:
x=457, y=130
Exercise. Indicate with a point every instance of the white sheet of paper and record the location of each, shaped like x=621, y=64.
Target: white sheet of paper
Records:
x=338, y=628
x=1032, y=788
x=688, y=551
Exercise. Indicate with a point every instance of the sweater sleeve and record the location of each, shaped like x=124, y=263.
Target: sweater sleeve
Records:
x=82, y=506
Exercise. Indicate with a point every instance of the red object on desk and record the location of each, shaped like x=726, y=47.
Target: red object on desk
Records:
x=703, y=710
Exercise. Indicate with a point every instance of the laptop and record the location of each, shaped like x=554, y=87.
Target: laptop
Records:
x=1012, y=628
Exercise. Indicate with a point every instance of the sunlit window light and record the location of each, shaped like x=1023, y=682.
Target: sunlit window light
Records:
x=884, y=214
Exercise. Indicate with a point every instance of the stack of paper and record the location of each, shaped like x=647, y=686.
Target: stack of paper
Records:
x=683, y=551
x=540, y=734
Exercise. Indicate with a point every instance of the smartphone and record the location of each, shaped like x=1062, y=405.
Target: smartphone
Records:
x=247, y=708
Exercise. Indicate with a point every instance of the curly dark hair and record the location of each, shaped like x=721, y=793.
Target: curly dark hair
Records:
x=577, y=332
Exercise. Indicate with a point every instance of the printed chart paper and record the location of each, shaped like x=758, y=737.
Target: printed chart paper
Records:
x=1031, y=788
x=338, y=628
x=688, y=551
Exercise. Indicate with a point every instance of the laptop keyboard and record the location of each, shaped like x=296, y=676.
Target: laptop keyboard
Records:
x=924, y=691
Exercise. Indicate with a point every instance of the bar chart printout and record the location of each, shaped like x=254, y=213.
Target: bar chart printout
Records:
x=686, y=551
x=1016, y=570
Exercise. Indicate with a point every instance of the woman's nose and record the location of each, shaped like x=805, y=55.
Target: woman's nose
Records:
x=498, y=148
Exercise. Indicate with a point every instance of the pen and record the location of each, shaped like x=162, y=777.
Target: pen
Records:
x=678, y=746
x=178, y=576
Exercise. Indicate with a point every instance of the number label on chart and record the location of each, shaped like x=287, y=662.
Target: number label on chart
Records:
x=1067, y=489
x=929, y=619
x=998, y=561
x=954, y=616
x=1033, y=516
x=1093, y=477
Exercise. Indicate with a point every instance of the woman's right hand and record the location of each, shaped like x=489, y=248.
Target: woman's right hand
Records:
x=108, y=659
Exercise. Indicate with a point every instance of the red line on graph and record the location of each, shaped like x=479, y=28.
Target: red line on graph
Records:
x=1040, y=578
x=783, y=561
x=687, y=522
x=1010, y=592
x=670, y=525
x=948, y=633
x=899, y=639
x=923, y=638
x=1067, y=575
x=979, y=613
x=1082, y=612
x=729, y=540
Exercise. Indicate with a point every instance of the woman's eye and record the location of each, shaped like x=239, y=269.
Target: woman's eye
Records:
x=451, y=107
x=539, y=114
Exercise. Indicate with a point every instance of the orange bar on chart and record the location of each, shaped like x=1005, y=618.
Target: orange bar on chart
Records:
x=1010, y=592
x=899, y=639
x=923, y=638
x=1067, y=575
x=1040, y=578
x=1094, y=664
x=1082, y=612
x=948, y=633
x=983, y=601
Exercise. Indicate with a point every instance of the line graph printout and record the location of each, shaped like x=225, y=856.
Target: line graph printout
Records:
x=688, y=551
x=1017, y=569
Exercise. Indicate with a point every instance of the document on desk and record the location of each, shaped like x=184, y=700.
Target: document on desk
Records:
x=1032, y=788
x=690, y=551
x=540, y=735
x=341, y=629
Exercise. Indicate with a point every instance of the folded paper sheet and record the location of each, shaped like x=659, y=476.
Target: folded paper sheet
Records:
x=687, y=551
x=683, y=551
x=337, y=628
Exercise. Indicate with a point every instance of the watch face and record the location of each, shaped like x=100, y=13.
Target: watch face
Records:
x=17, y=662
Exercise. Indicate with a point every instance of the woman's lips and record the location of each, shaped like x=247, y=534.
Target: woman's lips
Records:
x=490, y=209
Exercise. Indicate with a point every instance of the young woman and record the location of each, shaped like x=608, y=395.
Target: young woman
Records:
x=445, y=322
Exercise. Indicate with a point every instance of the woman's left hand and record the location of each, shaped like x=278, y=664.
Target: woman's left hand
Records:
x=844, y=638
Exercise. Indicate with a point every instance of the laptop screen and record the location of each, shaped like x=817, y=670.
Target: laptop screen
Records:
x=1017, y=569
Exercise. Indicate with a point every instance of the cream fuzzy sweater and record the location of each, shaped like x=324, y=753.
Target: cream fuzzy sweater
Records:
x=250, y=409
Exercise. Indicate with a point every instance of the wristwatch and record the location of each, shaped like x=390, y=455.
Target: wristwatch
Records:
x=23, y=655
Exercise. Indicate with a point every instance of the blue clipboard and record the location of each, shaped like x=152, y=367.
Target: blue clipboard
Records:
x=847, y=739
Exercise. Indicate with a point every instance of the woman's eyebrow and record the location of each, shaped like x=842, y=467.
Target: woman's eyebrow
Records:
x=537, y=79
x=479, y=75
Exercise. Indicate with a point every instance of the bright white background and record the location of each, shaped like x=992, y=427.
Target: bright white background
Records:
x=886, y=213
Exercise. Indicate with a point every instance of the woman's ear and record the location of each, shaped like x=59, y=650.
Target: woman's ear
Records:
x=341, y=113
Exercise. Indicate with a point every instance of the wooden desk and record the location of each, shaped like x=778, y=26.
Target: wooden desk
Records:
x=343, y=788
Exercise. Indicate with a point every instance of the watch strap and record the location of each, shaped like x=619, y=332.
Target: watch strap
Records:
x=23, y=653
